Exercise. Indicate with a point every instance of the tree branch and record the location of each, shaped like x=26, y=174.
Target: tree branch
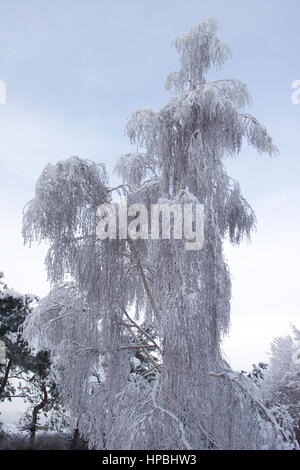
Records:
x=144, y=279
x=136, y=325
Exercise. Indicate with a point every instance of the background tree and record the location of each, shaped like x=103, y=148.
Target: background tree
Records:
x=281, y=386
x=195, y=401
x=24, y=374
x=14, y=308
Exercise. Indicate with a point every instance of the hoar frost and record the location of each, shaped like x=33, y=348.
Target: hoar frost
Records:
x=152, y=300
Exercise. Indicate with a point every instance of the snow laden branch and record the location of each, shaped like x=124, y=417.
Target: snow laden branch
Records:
x=198, y=51
x=251, y=392
x=143, y=332
x=66, y=199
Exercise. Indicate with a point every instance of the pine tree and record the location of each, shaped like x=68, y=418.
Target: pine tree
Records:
x=24, y=374
x=14, y=308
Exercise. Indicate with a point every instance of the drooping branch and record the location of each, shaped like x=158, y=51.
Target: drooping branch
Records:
x=261, y=408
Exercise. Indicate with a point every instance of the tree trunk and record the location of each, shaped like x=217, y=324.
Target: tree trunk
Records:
x=75, y=438
x=35, y=414
x=5, y=378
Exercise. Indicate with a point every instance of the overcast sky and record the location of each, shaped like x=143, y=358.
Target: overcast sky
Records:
x=74, y=70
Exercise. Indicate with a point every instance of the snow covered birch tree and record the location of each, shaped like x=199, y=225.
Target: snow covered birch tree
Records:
x=186, y=397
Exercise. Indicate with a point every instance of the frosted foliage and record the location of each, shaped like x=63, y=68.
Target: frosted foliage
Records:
x=198, y=51
x=66, y=199
x=136, y=339
x=281, y=386
x=80, y=361
x=135, y=168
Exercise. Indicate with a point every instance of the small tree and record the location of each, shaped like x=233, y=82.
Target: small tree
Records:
x=14, y=308
x=24, y=375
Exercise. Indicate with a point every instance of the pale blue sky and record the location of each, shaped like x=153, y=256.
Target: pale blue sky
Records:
x=74, y=70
